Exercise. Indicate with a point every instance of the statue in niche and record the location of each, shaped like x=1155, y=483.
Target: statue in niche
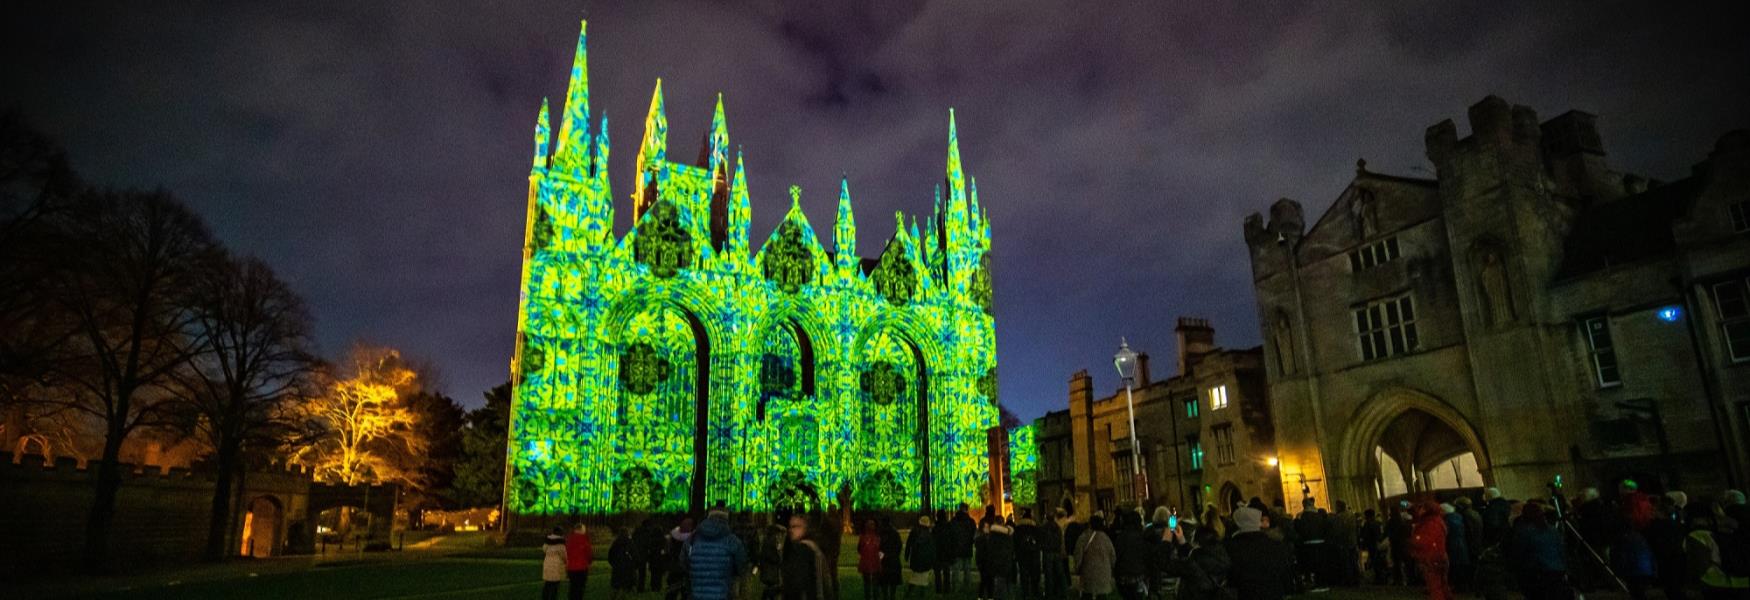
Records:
x=1365, y=212
x=1283, y=340
x=1497, y=295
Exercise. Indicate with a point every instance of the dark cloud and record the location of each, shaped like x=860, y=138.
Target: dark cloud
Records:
x=377, y=153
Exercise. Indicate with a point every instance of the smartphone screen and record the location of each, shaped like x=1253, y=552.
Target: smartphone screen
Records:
x=1172, y=521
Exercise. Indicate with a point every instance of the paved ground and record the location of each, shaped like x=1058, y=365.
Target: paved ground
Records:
x=459, y=567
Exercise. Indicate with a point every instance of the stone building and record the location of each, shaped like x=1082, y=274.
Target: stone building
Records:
x=1055, y=480
x=1205, y=434
x=1527, y=312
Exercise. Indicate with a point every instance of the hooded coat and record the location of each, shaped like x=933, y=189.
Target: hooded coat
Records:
x=553, y=558
x=997, y=554
x=715, y=557
x=1428, y=536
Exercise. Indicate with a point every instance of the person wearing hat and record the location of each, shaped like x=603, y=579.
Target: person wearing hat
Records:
x=1262, y=567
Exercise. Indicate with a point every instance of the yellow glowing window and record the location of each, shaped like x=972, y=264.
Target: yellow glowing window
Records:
x=1218, y=397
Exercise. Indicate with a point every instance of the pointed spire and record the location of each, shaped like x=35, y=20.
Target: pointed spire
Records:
x=973, y=186
x=956, y=177
x=976, y=213
x=796, y=198
x=651, y=152
x=740, y=212
x=574, y=126
x=719, y=138
x=844, y=230
x=655, y=145
x=956, y=184
x=543, y=134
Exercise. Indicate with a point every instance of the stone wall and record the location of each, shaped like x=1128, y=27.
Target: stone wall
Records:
x=161, y=514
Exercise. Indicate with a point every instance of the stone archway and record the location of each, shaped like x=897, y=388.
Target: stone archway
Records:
x=1412, y=430
x=1230, y=497
x=261, y=528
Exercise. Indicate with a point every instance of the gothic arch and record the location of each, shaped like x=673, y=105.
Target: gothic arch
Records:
x=1366, y=427
x=618, y=326
x=787, y=360
x=879, y=384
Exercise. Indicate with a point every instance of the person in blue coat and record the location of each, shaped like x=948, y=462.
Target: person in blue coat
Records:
x=715, y=557
x=1457, y=547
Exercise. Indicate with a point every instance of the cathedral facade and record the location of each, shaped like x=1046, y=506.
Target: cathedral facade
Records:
x=677, y=367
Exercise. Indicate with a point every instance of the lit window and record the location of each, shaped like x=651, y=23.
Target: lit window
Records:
x=1373, y=255
x=1191, y=407
x=1218, y=397
x=1740, y=212
x=1386, y=327
x=1734, y=318
x=1603, y=352
x=1196, y=448
x=1224, y=444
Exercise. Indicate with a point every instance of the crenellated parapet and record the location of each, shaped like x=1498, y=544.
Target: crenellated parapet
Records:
x=680, y=364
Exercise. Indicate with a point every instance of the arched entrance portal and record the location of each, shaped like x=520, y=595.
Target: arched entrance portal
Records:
x=1405, y=441
x=1420, y=453
x=663, y=409
x=895, y=463
x=261, y=527
x=1230, y=497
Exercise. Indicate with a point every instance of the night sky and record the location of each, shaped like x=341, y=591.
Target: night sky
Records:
x=377, y=153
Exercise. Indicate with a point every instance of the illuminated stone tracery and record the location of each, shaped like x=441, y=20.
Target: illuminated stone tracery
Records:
x=675, y=367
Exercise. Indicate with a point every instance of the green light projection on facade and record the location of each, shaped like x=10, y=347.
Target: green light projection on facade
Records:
x=1023, y=466
x=674, y=367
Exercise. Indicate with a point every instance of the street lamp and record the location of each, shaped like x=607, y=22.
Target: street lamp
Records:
x=1125, y=361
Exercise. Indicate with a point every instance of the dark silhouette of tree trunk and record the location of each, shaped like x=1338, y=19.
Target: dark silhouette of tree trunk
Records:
x=124, y=263
x=253, y=364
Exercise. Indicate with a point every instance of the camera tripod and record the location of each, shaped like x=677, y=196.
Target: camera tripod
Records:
x=1556, y=501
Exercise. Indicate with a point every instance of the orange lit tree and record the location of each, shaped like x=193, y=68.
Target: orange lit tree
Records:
x=360, y=418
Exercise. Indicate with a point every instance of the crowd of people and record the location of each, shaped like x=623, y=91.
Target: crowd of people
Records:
x=1491, y=548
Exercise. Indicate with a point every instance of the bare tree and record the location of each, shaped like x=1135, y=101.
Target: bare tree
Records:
x=124, y=264
x=35, y=184
x=254, y=364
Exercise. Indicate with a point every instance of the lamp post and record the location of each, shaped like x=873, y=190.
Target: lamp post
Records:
x=1125, y=361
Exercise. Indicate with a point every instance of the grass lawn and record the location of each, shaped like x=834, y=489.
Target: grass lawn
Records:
x=434, y=578
x=457, y=568
x=445, y=577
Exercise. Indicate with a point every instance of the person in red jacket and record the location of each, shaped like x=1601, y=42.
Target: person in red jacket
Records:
x=1428, y=548
x=577, y=559
x=869, y=558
